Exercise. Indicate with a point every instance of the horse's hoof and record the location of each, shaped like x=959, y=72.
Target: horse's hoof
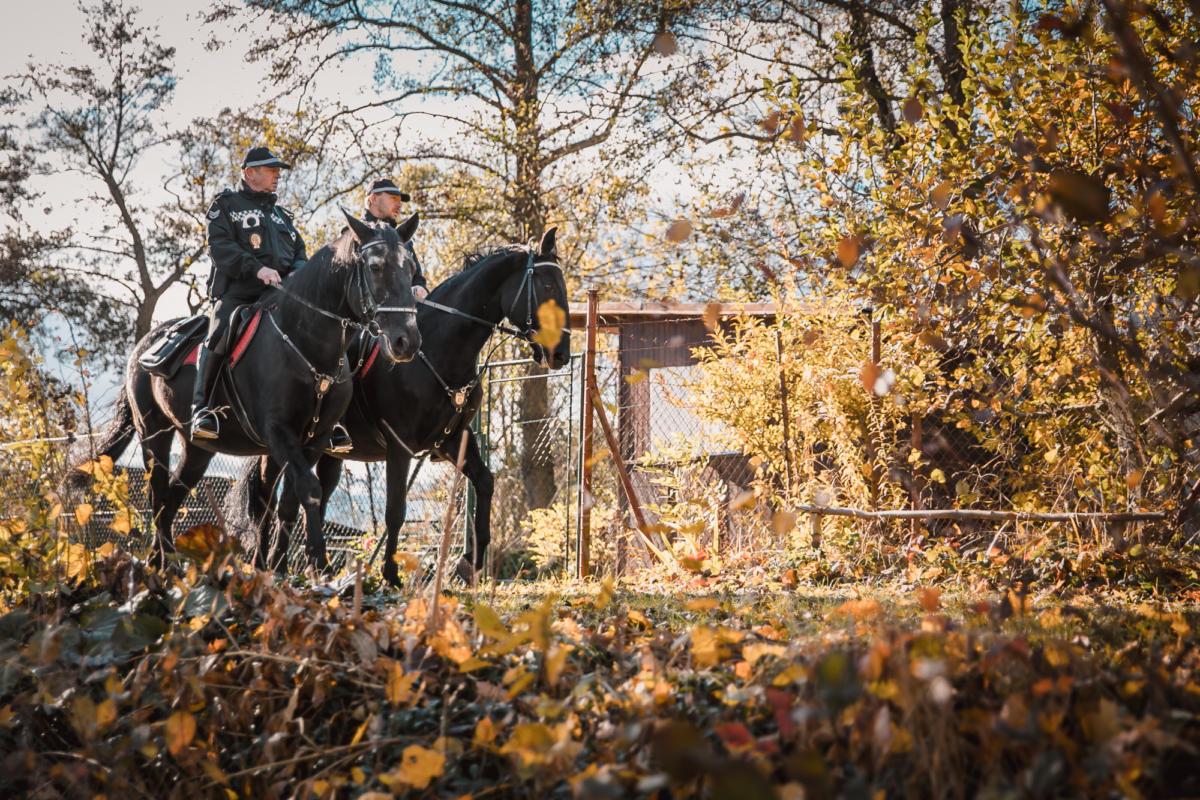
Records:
x=464, y=571
x=392, y=577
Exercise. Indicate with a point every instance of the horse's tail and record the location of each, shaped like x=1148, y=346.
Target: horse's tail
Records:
x=111, y=442
x=245, y=506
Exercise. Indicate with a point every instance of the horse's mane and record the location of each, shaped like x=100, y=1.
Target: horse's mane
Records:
x=471, y=260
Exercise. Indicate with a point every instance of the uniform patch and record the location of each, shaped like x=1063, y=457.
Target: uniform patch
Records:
x=249, y=219
x=255, y=241
x=214, y=211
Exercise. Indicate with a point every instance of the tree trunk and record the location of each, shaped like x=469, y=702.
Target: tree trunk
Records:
x=529, y=223
x=868, y=74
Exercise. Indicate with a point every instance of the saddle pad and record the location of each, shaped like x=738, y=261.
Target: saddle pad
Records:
x=243, y=341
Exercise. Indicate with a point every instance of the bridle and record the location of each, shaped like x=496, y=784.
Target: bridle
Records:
x=365, y=317
x=525, y=286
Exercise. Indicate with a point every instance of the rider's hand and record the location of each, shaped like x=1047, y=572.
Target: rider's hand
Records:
x=268, y=276
x=420, y=292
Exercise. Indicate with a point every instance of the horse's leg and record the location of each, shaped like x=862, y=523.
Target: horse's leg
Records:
x=192, y=465
x=397, y=507
x=300, y=481
x=156, y=456
x=329, y=473
x=286, y=514
x=476, y=471
x=266, y=510
x=258, y=506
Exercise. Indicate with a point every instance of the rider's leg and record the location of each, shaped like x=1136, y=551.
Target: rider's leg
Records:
x=205, y=424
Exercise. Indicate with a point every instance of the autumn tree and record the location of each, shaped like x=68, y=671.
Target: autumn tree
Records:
x=101, y=123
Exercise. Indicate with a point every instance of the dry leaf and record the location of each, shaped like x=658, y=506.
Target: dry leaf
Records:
x=181, y=729
x=912, y=110
x=847, y=251
x=679, y=230
x=551, y=320
x=665, y=44
x=868, y=375
x=712, y=316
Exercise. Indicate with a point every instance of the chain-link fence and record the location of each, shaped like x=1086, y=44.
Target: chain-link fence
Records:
x=528, y=430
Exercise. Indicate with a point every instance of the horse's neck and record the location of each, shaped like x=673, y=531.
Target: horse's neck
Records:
x=317, y=336
x=454, y=343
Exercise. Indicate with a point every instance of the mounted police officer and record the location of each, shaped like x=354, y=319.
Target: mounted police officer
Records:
x=253, y=244
x=383, y=205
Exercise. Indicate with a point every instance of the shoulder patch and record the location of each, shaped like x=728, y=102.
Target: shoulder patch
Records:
x=286, y=214
x=215, y=209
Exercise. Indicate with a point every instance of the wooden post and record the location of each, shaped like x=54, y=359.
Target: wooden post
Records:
x=583, y=565
x=915, y=489
x=634, y=505
x=783, y=410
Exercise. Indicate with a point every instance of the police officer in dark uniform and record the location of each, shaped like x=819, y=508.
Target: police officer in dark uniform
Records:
x=383, y=205
x=253, y=244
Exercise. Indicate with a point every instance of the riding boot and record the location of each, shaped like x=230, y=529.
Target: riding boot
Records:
x=339, y=441
x=205, y=424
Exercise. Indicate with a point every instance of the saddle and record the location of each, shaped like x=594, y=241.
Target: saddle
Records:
x=179, y=344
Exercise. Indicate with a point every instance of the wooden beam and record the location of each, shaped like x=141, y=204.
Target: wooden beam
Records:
x=962, y=514
x=586, y=498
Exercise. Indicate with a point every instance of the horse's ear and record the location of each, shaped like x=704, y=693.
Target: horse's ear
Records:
x=362, y=231
x=547, y=247
x=407, y=228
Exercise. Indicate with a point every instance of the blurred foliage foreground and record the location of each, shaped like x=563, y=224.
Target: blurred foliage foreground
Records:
x=211, y=679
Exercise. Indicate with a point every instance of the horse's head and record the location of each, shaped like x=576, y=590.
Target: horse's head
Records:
x=536, y=299
x=381, y=294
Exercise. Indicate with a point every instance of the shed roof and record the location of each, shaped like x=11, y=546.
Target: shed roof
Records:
x=613, y=314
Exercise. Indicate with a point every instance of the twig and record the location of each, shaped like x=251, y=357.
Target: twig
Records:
x=447, y=521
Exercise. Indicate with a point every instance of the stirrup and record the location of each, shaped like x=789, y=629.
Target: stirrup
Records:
x=340, y=442
x=205, y=424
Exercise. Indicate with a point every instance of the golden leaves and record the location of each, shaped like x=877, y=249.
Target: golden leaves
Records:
x=400, y=684
x=83, y=512
x=419, y=766
x=551, y=321
x=180, y=730
x=200, y=541
x=848, y=251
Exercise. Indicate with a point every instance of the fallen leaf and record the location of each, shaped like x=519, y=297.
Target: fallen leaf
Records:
x=181, y=729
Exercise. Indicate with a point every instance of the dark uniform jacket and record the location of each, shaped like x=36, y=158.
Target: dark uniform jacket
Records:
x=246, y=232
x=419, y=275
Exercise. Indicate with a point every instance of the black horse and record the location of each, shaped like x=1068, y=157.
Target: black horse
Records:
x=400, y=410
x=291, y=384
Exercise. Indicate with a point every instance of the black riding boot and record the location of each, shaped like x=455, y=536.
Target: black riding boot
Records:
x=205, y=424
